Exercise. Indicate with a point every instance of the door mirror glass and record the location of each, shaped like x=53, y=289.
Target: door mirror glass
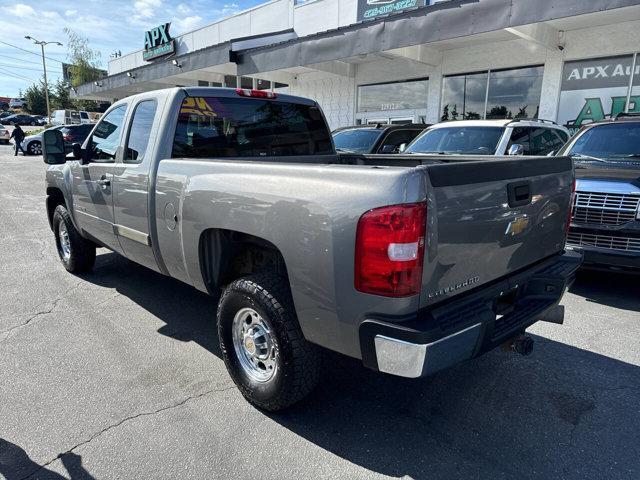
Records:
x=402, y=147
x=516, y=149
x=53, y=147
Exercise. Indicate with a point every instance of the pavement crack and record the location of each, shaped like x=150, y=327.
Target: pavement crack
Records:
x=123, y=421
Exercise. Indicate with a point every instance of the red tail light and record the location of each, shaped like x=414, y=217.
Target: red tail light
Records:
x=245, y=92
x=390, y=250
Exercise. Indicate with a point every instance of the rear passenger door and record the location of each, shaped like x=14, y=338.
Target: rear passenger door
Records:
x=131, y=184
x=546, y=140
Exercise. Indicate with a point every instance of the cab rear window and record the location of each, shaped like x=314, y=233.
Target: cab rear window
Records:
x=249, y=127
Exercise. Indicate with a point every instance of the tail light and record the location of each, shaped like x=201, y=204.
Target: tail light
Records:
x=390, y=250
x=245, y=92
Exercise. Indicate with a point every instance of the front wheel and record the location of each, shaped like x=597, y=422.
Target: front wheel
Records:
x=34, y=148
x=77, y=254
x=262, y=344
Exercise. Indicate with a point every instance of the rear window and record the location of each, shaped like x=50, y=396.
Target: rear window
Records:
x=458, y=140
x=249, y=127
x=356, y=140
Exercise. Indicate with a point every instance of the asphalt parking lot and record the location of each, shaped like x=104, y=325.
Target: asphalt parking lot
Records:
x=116, y=374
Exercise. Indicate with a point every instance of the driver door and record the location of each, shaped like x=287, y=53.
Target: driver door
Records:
x=93, y=181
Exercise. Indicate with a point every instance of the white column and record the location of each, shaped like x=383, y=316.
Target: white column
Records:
x=435, y=92
x=551, y=81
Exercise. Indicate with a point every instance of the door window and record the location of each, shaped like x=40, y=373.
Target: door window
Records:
x=521, y=136
x=393, y=141
x=140, y=131
x=545, y=141
x=106, y=136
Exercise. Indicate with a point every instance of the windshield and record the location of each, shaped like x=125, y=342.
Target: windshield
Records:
x=458, y=140
x=357, y=140
x=613, y=140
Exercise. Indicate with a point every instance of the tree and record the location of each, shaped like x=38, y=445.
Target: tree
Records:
x=522, y=112
x=84, y=66
x=62, y=96
x=35, y=97
x=445, y=113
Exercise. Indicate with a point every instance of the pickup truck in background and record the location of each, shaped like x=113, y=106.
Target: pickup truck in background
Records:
x=377, y=138
x=605, y=226
x=410, y=263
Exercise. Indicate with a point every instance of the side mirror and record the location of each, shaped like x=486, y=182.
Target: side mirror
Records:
x=388, y=149
x=76, y=148
x=53, y=147
x=402, y=147
x=516, y=150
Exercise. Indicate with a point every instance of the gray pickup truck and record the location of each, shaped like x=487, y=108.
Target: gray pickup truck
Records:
x=410, y=263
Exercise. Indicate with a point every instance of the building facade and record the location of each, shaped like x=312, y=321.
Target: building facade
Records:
x=380, y=61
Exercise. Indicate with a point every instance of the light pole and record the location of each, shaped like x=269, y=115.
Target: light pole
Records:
x=44, y=67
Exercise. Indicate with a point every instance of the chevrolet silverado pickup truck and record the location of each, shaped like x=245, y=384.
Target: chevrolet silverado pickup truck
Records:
x=410, y=263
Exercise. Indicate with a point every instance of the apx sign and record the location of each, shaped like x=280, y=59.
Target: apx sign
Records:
x=369, y=9
x=158, y=42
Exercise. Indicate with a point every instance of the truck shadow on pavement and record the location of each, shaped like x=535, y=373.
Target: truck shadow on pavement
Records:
x=563, y=412
x=619, y=290
x=15, y=464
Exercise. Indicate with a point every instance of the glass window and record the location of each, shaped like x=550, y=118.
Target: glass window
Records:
x=392, y=142
x=511, y=93
x=249, y=127
x=359, y=140
x=521, y=136
x=515, y=93
x=393, y=96
x=459, y=140
x=246, y=82
x=280, y=85
x=140, y=131
x=106, y=136
x=263, y=84
x=543, y=141
x=230, y=81
x=463, y=97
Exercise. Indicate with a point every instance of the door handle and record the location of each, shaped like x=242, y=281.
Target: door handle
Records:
x=104, y=182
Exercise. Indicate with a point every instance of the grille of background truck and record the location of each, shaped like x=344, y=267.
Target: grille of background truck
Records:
x=605, y=208
x=627, y=244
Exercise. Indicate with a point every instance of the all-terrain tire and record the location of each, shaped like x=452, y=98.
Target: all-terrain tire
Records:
x=82, y=252
x=298, y=361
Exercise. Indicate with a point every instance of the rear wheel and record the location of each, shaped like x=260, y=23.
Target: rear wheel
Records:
x=262, y=344
x=34, y=148
x=76, y=253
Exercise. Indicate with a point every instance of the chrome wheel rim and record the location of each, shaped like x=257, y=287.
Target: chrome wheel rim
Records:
x=35, y=148
x=65, y=243
x=254, y=345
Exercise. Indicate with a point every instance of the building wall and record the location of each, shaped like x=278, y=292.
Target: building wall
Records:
x=321, y=15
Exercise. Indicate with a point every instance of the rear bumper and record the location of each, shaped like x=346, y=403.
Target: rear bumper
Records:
x=442, y=336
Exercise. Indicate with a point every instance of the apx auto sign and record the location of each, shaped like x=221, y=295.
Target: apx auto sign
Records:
x=158, y=42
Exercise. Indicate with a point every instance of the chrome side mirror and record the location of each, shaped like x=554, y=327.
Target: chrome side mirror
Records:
x=402, y=147
x=516, y=150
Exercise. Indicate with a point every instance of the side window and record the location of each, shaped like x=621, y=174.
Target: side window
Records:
x=545, y=141
x=140, y=131
x=393, y=141
x=84, y=115
x=106, y=137
x=521, y=136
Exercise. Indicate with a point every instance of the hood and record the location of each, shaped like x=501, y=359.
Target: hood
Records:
x=627, y=171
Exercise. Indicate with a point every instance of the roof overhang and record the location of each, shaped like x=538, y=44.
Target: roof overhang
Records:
x=435, y=23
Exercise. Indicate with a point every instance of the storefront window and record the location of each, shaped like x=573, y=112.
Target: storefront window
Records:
x=393, y=96
x=512, y=93
x=230, y=81
x=515, y=93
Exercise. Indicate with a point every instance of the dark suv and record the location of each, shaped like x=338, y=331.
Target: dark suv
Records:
x=605, y=223
x=375, y=138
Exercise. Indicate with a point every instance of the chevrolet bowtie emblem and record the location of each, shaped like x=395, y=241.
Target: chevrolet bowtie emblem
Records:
x=517, y=226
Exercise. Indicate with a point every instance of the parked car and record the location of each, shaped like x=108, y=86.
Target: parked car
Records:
x=5, y=114
x=491, y=137
x=4, y=106
x=605, y=223
x=32, y=144
x=70, y=117
x=75, y=133
x=18, y=119
x=411, y=269
x=17, y=103
x=375, y=138
x=41, y=120
x=4, y=135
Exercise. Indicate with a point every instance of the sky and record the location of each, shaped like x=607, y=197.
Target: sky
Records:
x=109, y=25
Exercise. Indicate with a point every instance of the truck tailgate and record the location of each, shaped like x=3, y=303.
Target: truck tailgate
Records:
x=488, y=219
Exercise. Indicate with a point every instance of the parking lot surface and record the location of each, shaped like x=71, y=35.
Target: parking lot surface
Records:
x=116, y=374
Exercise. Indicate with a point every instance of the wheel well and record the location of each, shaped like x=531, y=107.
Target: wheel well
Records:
x=54, y=198
x=226, y=255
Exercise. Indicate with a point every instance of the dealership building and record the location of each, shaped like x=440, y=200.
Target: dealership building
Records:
x=394, y=61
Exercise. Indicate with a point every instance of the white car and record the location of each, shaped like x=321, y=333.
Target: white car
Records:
x=17, y=103
x=491, y=137
x=32, y=145
x=4, y=135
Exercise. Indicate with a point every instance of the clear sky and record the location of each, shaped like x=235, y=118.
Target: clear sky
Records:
x=110, y=25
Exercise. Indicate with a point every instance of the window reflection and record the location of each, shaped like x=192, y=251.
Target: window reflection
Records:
x=393, y=96
x=511, y=93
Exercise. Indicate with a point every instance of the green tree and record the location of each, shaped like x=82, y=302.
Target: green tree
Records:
x=61, y=99
x=84, y=66
x=35, y=97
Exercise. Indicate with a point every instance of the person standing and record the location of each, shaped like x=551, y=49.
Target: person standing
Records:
x=18, y=137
